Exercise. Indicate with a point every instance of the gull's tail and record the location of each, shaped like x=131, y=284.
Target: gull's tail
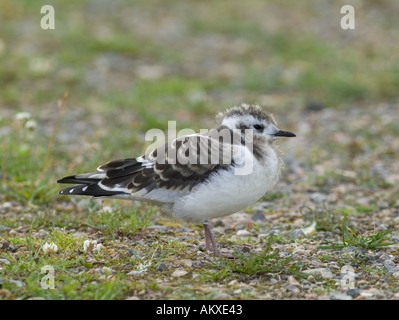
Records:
x=114, y=179
x=87, y=185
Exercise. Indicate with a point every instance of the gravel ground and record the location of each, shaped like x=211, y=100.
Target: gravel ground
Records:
x=301, y=216
x=328, y=231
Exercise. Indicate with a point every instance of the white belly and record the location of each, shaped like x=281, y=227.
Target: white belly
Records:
x=227, y=193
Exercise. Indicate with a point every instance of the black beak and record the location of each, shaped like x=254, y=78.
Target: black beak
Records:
x=282, y=133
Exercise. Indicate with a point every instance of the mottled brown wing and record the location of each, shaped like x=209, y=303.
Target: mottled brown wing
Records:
x=187, y=161
x=178, y=166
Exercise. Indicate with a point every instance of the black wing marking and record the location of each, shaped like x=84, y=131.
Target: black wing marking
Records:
x=178, y=166
x=89, y=190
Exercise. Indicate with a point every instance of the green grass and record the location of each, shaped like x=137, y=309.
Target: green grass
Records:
x=326, y=220
x=351, y=237
x=120, y=221
x=268, y=261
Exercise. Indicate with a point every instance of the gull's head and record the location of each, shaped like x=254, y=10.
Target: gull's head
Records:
x=254, y=118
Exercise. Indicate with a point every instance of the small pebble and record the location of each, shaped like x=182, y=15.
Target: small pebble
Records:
x=243, y=233
x=390, y=266
x=340, y=296
x=179, y=273
x=258, y=216
x=323, y=272
x=134, y=273
x=292, y=288
x=318, y=197
x=297, y=234
x=219, y=223
x=292, y=281
x=5, y=245
x=353, y=292
x=162, y=267
x=6, y=205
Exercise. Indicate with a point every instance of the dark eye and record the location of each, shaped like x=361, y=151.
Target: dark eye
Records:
x=258, y=127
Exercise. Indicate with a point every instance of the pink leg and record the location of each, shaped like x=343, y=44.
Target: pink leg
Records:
x=210, y=239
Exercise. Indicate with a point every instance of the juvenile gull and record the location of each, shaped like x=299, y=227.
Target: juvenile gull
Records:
x=197, y=177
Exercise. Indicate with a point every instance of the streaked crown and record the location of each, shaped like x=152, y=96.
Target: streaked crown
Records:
x=252, y=117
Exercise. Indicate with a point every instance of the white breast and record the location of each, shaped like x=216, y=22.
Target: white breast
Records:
x=226, y=192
